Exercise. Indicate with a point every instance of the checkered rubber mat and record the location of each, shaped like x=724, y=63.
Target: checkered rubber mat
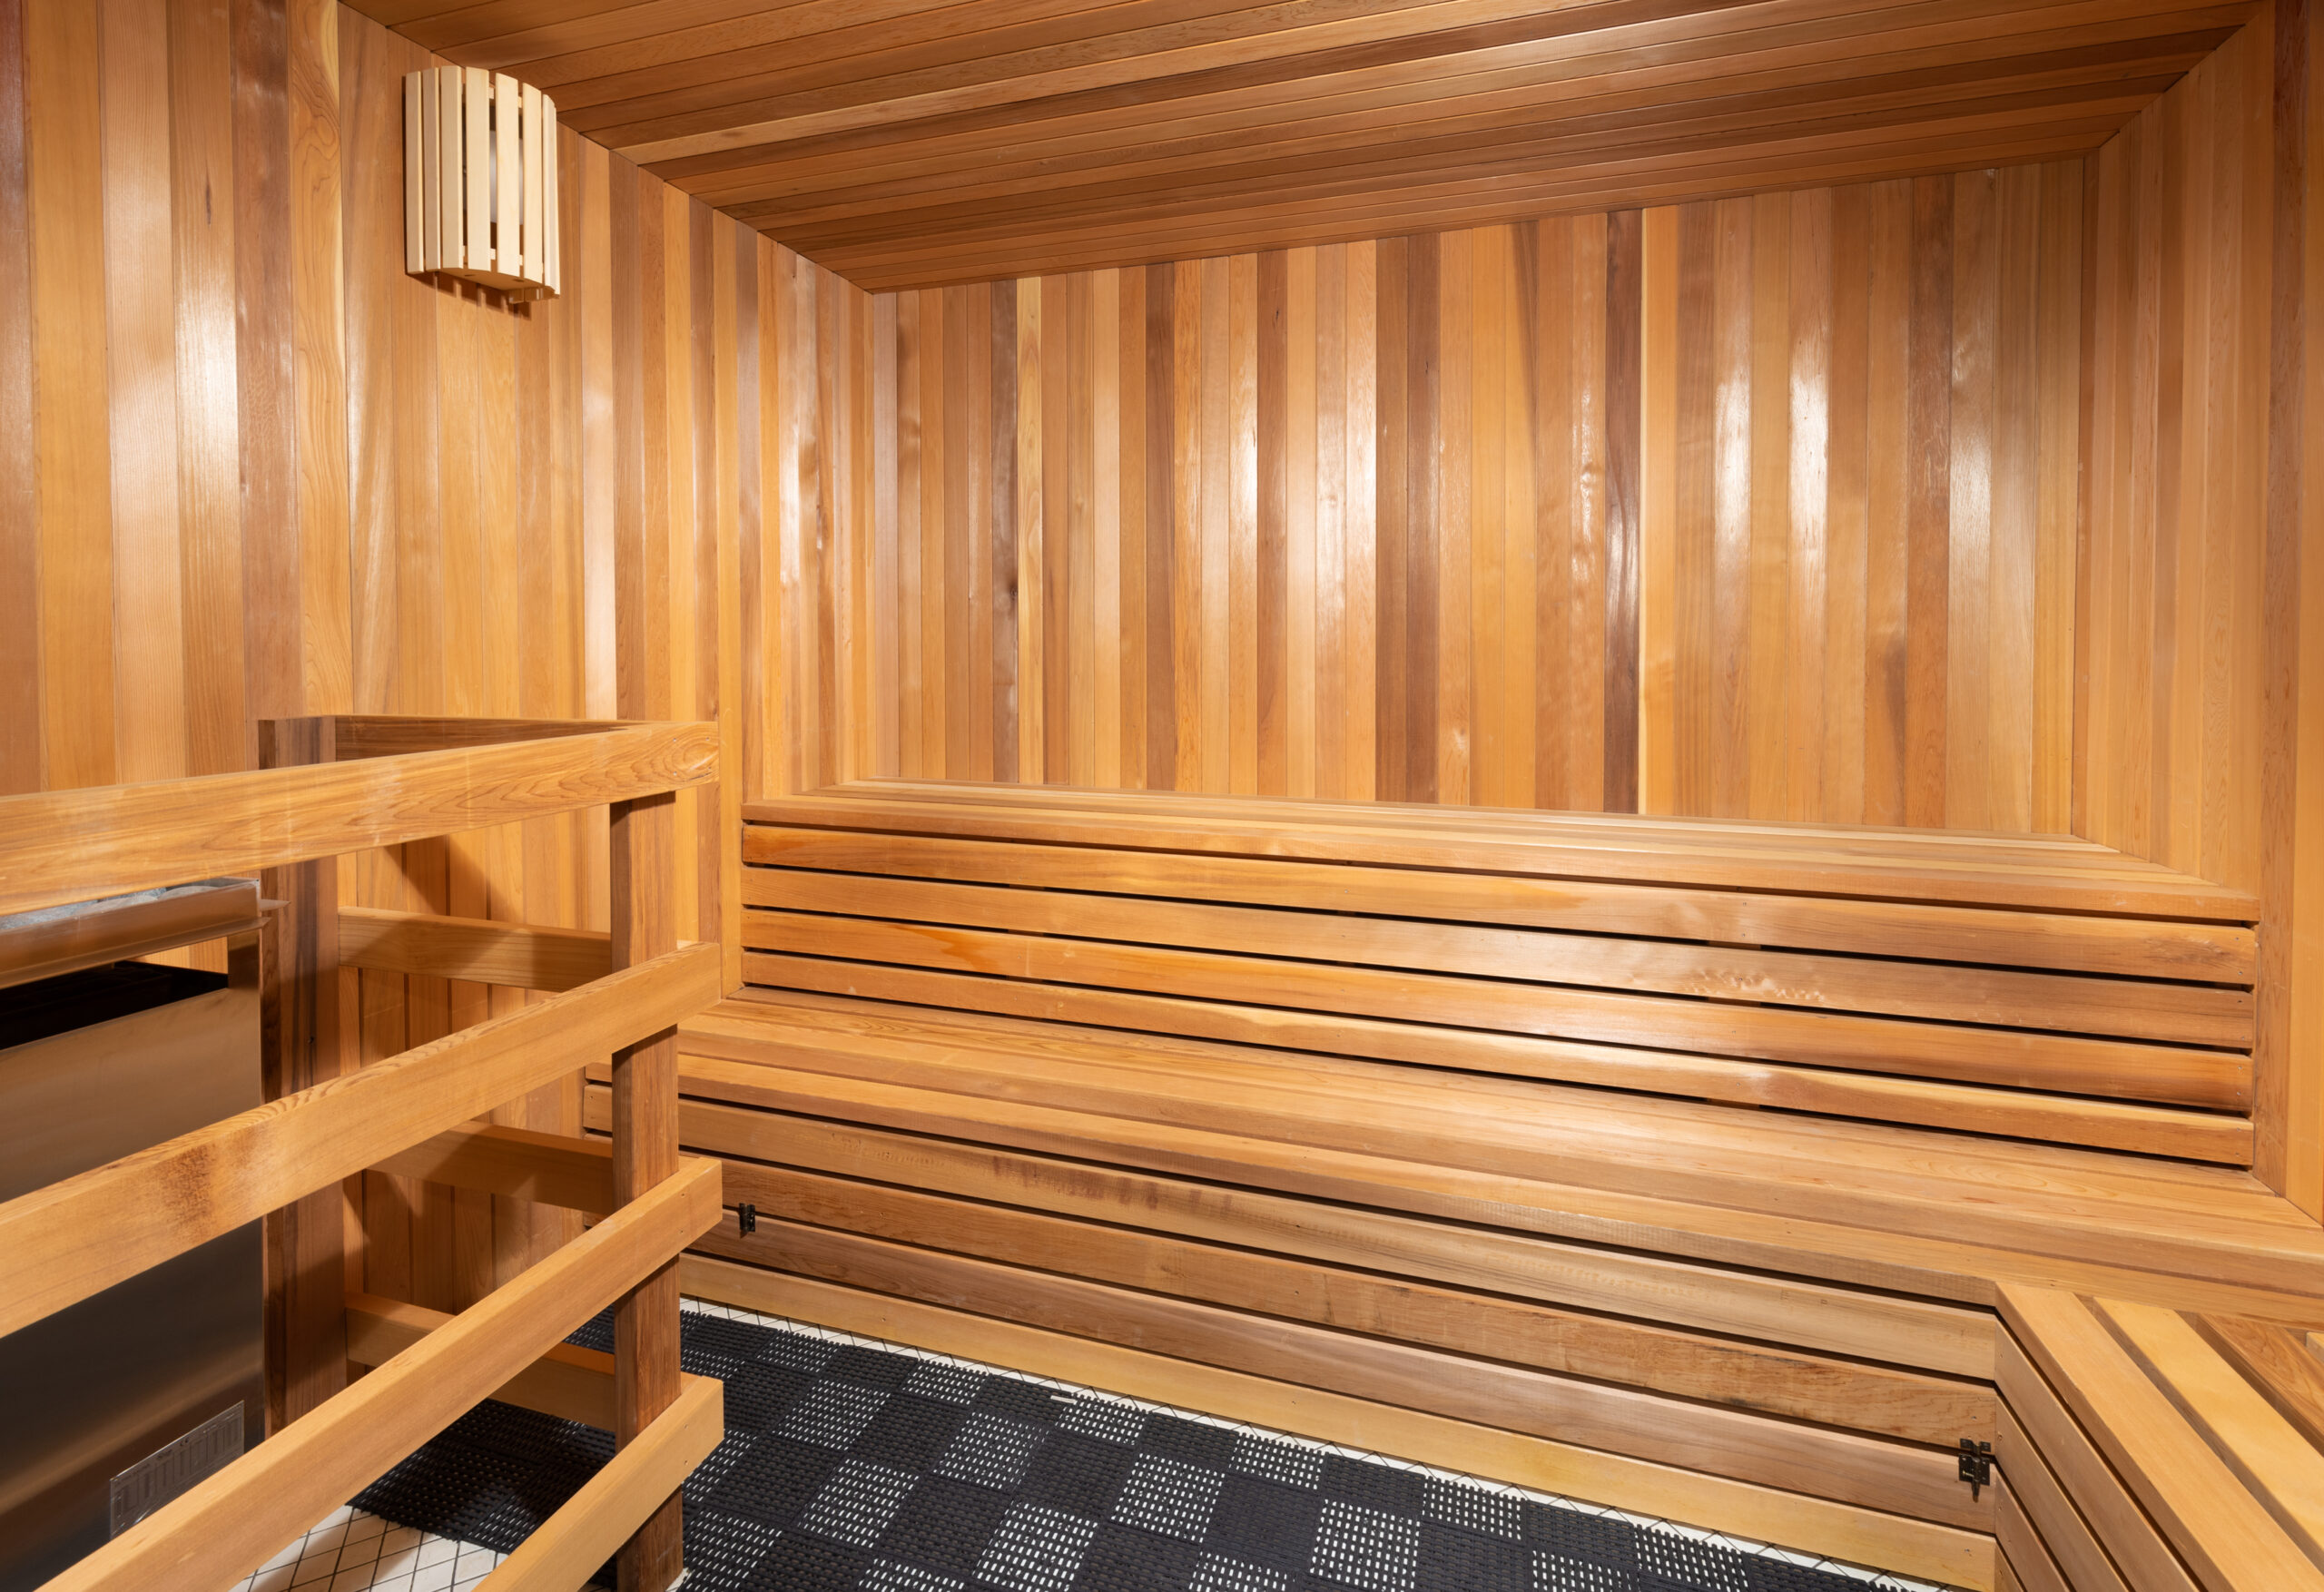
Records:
x=848, y=1467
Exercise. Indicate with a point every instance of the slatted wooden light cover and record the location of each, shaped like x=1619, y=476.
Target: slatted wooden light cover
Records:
x=480, y=200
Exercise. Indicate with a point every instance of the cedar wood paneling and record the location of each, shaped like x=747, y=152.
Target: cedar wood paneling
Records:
x=1375, y=520
x=249, y=469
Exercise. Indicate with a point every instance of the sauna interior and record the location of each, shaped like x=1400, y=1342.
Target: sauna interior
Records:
x=1376, y=796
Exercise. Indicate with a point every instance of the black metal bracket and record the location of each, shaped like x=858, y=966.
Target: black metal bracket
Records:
x=1977, y=1465
x=747, y=1222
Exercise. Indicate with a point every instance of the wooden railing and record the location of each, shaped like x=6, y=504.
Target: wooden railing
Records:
x=335, y=785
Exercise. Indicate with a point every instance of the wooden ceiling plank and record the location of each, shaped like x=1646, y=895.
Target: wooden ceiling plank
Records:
x=1201, y=206
x=1437, y=211
x=1790, y=42
x=512, y=25
x=957, y=168
x=2078, y=133
x=883, y=270
x=790, y=60
x=408, y=13
x=1545, y=141
x=1277, y=36
x=1335, y=48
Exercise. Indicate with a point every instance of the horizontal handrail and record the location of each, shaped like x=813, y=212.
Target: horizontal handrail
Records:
x=60, y=1243
x=567, y=1381
x=62, y=846
x=565, y=1549
x=224, y=1527
x=1865, y=861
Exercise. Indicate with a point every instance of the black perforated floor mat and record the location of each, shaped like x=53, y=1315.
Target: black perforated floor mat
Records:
x=847, y=1466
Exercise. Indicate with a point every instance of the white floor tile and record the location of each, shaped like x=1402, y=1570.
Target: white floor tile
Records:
x=353, y=1551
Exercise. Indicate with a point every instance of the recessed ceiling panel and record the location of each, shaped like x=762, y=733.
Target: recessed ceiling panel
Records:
x=906, y=143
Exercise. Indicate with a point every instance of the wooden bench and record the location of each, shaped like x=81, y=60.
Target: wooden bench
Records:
x=2147, y=1450
x=1431, y=1131
x=2042, y=988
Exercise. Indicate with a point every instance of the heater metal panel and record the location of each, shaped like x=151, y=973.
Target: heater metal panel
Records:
x=108, y=1059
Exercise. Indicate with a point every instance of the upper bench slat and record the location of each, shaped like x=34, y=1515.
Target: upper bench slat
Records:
x=2047, y=874
x=2129, y=946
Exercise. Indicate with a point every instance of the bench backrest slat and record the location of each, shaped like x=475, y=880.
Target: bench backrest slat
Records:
x=2096, y=1024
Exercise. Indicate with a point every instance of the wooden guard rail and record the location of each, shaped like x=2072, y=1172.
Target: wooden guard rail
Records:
x=334, y=785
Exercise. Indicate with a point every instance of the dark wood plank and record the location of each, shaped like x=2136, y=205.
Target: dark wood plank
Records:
x=306, y=1040
x=20, y=683
x=1625, y=284
x=1929, y=466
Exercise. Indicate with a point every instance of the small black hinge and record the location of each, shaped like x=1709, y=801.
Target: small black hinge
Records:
x=746, y=1221
x=1977, y=1465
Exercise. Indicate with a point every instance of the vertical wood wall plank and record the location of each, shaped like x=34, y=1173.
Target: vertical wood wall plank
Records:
x=149, y=720
x=318, y=389
x=1658, y=334
x=65, y=193
x=22, y=751
x=1807, y=506
x=1360, y=536
x=1846, y=519
x=202, y=93
x=1619, y=567
x=2291, y=1052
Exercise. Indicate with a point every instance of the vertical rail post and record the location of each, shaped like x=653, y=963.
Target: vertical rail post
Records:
x=646, y=1151
x=305, y=1041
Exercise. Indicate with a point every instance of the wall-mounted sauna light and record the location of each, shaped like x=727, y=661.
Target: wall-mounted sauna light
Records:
x=479, y=181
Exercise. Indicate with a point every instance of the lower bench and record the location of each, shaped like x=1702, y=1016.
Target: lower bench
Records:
x=1292, y=1241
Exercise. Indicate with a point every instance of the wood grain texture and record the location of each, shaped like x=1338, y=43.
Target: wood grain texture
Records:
x=1933, y=1337
x=1503, y=543
x=1083, y=1092
x=869, y=894
x=1705, y=1368
x=905, y=150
